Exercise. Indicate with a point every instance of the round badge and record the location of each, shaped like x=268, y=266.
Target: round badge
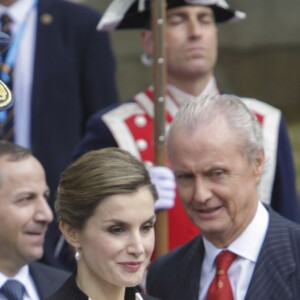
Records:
x=46, y=19
x=6, y=100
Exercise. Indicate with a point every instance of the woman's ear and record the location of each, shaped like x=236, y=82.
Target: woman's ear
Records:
x=70, y=234
x=146, y=41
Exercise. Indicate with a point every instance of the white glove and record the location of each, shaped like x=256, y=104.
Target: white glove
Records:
x=164, y=180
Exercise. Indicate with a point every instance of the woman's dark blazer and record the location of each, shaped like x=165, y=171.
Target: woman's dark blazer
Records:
x=70, y=291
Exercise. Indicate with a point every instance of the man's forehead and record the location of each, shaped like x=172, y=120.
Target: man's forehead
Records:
x=14, y=167
x=187, y=9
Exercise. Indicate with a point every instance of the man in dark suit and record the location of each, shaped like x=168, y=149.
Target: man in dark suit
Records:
x=24, y=217
x=245, y=250
x=63, y=72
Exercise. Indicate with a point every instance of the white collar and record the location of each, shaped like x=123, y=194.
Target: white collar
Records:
x=182, y=96
x=24, y=277
x=179, y=95
x=17, y=11
x=253, y=235
x=211, y=88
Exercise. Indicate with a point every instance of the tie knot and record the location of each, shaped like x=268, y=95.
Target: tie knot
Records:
x=13, y=290
x=6, y=21
x=224, y=261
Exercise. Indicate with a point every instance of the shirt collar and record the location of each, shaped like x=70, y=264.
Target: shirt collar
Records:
x=253, y=235
x=182, y=97
x=21, y=276
x=211, y=88
x=17, y=11
x=179, y=95
x=24, y=277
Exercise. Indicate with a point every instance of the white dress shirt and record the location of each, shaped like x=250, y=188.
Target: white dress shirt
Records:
x=24, y=277
x=23, y=69
x=247, y=247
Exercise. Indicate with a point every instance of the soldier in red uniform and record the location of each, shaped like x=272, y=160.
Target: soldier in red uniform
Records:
x=191, y=51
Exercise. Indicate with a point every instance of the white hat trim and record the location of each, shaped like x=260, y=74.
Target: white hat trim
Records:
x=238, y=16
x=114, y=14
x=220, y=3
x=116, y=11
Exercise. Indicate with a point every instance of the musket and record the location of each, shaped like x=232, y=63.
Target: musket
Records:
x=158, y=13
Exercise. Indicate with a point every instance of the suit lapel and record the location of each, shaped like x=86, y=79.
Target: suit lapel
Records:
x=275, y=263
x=46, y=44
x=186, y=282
x=40, y=279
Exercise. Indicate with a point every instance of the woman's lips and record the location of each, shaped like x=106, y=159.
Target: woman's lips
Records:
x=131, y=266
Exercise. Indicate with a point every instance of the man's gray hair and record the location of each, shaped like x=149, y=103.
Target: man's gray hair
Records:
x=204, y=109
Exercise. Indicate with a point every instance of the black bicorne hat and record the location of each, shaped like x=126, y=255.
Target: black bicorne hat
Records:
x=135, y=14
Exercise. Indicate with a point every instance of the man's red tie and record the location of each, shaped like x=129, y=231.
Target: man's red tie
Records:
x=220, y=288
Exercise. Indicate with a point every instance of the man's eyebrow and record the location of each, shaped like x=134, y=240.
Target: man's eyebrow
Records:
x=180, y=14
x=182, y=173
x=205, y=14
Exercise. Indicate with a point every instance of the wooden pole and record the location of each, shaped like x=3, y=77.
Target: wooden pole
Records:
x=158, y=13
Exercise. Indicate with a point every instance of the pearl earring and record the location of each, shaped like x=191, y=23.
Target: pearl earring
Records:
x=77, y=255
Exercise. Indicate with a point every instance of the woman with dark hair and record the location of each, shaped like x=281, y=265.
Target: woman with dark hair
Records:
x=105, y=209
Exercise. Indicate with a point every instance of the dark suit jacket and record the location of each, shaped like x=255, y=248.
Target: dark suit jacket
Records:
x=70, y=291
x=176, y=275
x=73, y=78
x=47, y=279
